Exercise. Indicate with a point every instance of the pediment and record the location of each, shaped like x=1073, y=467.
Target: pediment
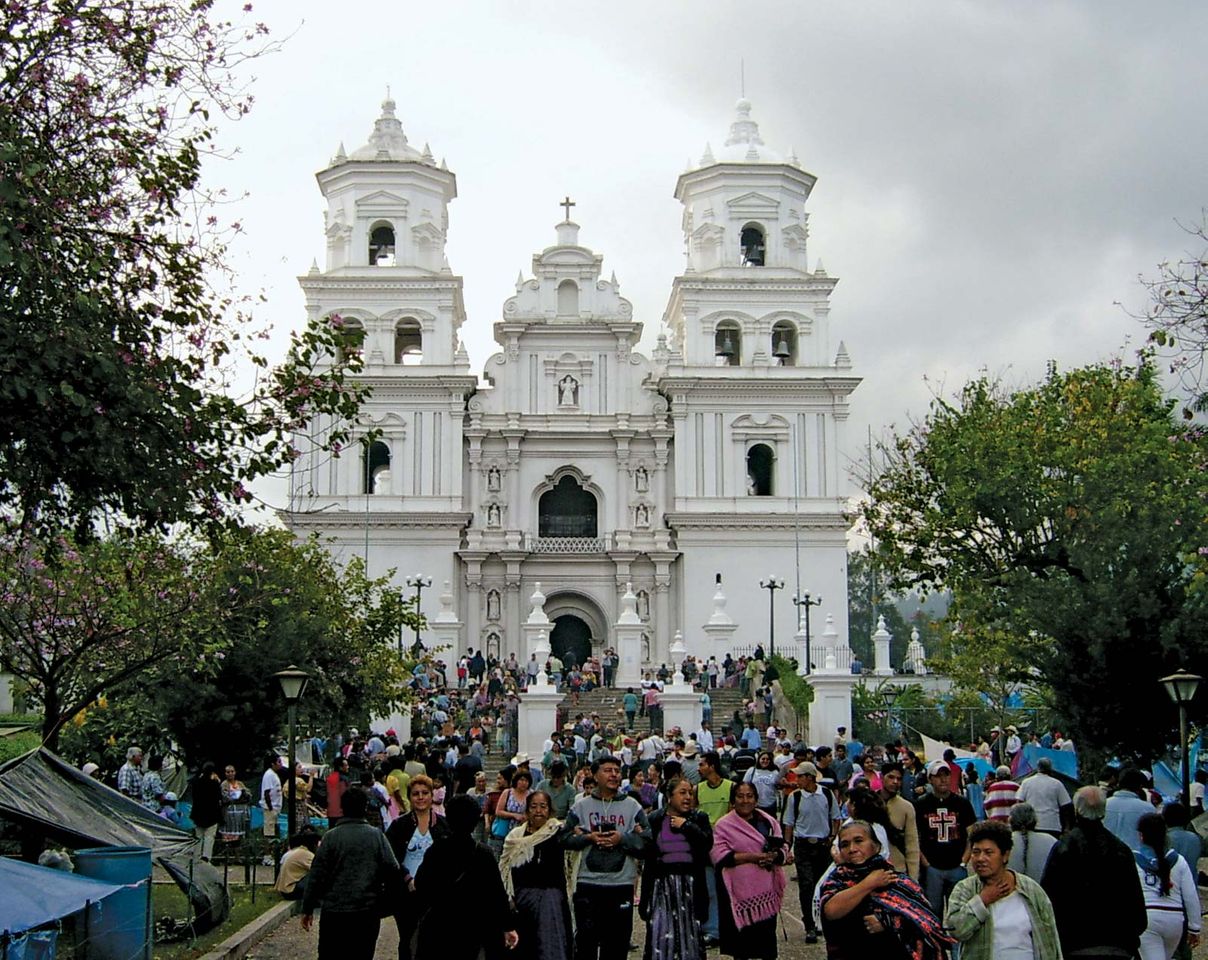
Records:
x=753, y=202
x=760, y=421
x=708, y=231
x=383, y=201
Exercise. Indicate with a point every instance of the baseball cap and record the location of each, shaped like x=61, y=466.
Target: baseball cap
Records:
x=937, y=767
x=806, y=769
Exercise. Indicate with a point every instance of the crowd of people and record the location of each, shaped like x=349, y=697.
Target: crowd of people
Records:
x=701, y=834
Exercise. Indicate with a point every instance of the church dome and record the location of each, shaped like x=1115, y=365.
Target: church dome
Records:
x=744, y=144
x=388, y=142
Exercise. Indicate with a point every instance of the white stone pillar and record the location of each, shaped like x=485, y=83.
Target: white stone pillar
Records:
x=445, y=628
x=537, y=716
x=628, y=633
x=831, y=707
x=880, y=643
x=681, y=704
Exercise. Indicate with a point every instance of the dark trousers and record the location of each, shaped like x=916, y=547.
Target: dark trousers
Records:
x=604, y=921
x=406, y=918
x=812, y=861
x=348, y=936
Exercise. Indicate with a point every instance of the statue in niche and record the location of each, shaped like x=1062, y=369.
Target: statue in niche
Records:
x=641, y=516
x=644, y=604
x=493, y=482
x=493, y=645
x=641, y=480
x=492, y=604
x=645, y=649
x=568, y=391
x=493, y=515
x=381, y=481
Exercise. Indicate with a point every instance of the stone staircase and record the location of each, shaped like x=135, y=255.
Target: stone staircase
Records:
x=607, y=702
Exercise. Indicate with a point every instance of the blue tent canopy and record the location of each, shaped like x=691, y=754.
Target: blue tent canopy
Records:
x=36, y=895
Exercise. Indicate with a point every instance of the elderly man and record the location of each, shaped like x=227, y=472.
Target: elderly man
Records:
x=1093, y=883
x=130, y=775
x=1048, y=797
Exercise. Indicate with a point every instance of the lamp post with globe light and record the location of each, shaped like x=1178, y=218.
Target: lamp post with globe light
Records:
x=1182, y=687
x=771, y=585
x=418, y=582
x=293, y=685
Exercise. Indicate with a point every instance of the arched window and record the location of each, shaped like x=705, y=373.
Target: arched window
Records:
x=408, y=342
x=381, y=245
x=727, y=344
x=376, y=473
x=760, y=463
x=568, y=299
x=754, y=246
x=566, y=511
x=784, y=343
x=355, y=332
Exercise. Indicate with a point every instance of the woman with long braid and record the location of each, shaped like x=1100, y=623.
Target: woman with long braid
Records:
x=1171, y=897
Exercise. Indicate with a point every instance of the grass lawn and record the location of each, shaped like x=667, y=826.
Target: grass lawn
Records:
x=20, y=719
x=18, y=743
x=168, y=900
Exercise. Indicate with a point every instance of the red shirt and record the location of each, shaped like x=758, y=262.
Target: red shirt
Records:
x=336, y=785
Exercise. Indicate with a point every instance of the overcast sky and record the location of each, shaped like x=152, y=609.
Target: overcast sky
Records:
x=992, y=177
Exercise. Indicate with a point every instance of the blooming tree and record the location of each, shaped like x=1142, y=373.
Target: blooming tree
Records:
x=120, y=343
x=82, y=620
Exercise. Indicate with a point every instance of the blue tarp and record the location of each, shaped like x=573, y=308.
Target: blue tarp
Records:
x=34, y=895
x=983, y=766
x=1065, y=762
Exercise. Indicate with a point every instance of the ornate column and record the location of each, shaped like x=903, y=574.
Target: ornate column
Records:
x=662, y=609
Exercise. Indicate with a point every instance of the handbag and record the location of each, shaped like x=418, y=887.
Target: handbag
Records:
x=501, y=826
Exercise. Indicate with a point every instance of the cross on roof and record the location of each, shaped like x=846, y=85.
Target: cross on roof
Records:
x=567, y=203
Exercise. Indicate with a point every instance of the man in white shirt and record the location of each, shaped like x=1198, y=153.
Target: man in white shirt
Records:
x=811, y=817
x=270, y=795
x=1048, y=797
x=704, y=737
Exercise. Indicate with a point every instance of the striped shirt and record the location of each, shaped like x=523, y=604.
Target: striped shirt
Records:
x=1001, y=796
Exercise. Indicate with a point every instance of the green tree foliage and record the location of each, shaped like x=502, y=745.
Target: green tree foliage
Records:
x=1068, y=520
x=117, y=348
x=78, y=620
x=288, y=603
x=868, y=598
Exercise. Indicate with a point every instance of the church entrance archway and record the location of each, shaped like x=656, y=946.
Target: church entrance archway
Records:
x=570, y=640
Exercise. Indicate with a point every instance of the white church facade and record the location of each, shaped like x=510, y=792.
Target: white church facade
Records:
x=576, y=461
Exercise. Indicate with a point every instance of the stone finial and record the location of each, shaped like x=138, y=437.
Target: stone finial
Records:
x=842, y=357
x=793, y=161
x=678, y=650
x=706, y=158
x=882, y=630
x=314, y=267
x=427, y=156
x=519, y=280
x=719, y=614
x=537, y=602
x=629, y=606
x=819, y=270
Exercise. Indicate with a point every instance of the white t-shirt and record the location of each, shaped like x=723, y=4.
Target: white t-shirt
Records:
x=1012, y=926
x=271, y=783
x=1197, y=795
x=1047, y=795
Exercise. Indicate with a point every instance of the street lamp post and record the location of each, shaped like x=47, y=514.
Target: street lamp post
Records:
x=1182, y=687
x=889, y=694
x=803, y=602
x=771, y=585
x=293, y=684
x=419, y=581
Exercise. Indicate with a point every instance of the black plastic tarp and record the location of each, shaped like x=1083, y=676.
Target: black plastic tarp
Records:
x=46, y=794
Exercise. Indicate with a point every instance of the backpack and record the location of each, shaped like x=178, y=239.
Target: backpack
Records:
x=826, y=792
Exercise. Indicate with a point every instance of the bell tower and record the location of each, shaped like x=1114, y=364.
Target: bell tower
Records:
x=385, y=275
x=757, y=390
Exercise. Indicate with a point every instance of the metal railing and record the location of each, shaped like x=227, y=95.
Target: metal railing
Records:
x=568, y=544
